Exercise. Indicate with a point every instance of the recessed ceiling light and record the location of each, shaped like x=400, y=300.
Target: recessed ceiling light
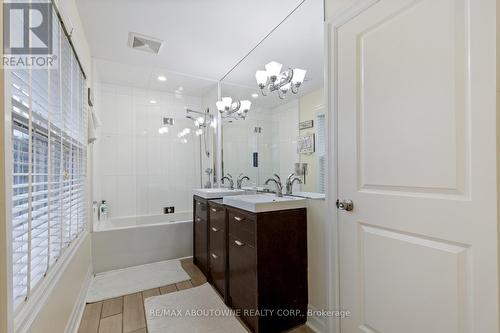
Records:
x=254, y=95
x=152, y=101
x=162, y=78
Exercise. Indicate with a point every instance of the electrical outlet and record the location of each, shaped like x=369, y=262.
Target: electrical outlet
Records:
x=168, y=210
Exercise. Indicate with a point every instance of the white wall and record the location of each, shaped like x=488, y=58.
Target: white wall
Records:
x=5, y=285
x=139, y=170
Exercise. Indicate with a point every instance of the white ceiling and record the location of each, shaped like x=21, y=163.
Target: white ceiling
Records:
x=146, y=77
x=203, y=39
x=297, y=43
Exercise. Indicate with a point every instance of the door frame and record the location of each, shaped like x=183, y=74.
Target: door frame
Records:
x=332, y=26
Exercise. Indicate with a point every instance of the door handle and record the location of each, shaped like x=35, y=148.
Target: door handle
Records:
x=346, y=205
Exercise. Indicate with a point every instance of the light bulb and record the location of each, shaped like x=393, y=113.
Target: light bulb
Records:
x=261, y=77
x=187, y=130
x=273, y=68
x=201, y=120
x=227, y=102
x=298, y=76
x=199, y=132
x=220, y=106
x=196, y=123
x=245, y=105
x=163, y=130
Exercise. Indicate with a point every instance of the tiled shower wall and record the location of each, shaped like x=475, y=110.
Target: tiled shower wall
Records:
x=137, y=170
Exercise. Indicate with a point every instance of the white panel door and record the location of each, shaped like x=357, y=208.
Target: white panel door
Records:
x=414, y=92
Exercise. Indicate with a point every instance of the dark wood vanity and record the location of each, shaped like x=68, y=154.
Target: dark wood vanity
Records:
x=256, y=261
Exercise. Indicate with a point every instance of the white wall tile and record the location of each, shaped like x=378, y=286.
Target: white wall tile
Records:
x=141, y=171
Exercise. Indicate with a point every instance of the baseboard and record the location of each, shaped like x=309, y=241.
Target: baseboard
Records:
x=79, y=307
x=317, y=324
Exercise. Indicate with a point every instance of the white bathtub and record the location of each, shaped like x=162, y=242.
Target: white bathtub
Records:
x=130, y=241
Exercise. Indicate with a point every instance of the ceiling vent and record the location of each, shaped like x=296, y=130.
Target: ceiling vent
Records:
x=144, y=43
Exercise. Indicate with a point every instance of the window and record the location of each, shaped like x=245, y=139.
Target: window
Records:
x=321, y=151
x=49, y=137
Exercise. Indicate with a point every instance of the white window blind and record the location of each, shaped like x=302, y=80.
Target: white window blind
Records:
x=49, y=136
x=321, y=151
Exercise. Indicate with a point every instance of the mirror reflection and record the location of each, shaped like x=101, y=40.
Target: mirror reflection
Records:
x=274, y=126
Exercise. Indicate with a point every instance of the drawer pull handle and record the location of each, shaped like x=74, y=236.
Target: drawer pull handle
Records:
x=198, y=203
x=237, y=242
x=198, y=219
x=214, y=256
x=239, y=219
x=214, y=210
x=215, y=229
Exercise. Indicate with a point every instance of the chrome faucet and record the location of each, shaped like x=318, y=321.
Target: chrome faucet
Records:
x=277, y=182
x=230, y=179
x=289, y=182
x=240, y=180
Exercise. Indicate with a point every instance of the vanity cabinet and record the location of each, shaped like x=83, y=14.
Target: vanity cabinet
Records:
x=256, y=261
x=200, y=234
x=267, y=268
x=217, y=247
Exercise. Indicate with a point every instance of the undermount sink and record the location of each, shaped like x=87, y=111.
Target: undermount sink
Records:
x=260, y=203
x=214, y=193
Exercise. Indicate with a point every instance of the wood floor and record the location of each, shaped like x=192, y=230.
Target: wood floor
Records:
x=127, y=315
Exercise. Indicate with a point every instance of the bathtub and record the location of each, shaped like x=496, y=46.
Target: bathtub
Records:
x=130, y=241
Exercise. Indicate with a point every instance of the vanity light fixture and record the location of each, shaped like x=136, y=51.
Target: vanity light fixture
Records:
x=272, y=79
x=233, y=109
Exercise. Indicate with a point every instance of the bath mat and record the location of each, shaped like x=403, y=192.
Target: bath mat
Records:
x=193, y=310
x=130, y=280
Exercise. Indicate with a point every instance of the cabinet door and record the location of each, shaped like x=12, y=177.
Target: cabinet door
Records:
x=243, y=279
x=217, y=248
x=200, y=244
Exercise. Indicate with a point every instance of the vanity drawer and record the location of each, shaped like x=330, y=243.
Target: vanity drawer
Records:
x=240, y=223
x=217, y=216
x=200, y=209
x=243, y=279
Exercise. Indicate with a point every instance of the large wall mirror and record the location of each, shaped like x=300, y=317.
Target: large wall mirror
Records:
x=283, y=131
